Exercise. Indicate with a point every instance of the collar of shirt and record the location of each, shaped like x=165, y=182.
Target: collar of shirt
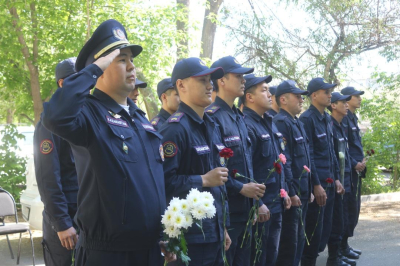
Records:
x=352, y=116
x=112, y=105
x=184, y=108
x=164, y=114
x=291, y=119
x=317, y=113
x=233, y=112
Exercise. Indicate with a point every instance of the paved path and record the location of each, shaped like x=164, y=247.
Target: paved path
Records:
x=377, y=235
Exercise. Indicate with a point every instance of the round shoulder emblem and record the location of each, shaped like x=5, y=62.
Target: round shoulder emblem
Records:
x=170, y=149
x=46, y=146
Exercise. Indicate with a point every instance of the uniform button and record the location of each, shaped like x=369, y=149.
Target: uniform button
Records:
x=122, y=136
x=94, y=76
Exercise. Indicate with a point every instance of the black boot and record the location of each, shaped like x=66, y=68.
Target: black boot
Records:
x=333, y=258
x=347, y=260
x=346, y=251
x=355, y=250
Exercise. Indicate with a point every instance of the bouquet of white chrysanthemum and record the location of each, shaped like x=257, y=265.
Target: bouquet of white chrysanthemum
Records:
x=180, y=215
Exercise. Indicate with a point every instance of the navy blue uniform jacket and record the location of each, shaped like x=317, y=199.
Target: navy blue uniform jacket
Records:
x=56, y=177
x=160, y=119
x=267, y=144
x=354, y=137
x=235, y=136
x=340, y=136
x=323, y=159
x=191, y=147
x=297, y=154
x=118, y=158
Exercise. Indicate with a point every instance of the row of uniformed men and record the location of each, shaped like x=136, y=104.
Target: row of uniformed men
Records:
x=128, y=171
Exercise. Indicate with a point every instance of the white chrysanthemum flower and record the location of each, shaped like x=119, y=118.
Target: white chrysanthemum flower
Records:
x=210, y=211
x=179, y=220
x=207, y=196
x=175, y=205
x=199, y=212
x=184, y=205
x=172, y=232
x=188, y=221
x=193, y=197
x=168, y=218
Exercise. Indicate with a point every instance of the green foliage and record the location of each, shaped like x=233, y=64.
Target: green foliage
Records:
x=12, y=166
x=383, y=136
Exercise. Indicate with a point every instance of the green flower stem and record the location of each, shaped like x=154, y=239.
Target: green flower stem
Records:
x=302, y=224
x=319, y=212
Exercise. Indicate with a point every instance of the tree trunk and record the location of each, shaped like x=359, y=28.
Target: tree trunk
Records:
x=182, y=30
x=30, y=60
x=10, y=115
x=209, y=28
x=149, y=98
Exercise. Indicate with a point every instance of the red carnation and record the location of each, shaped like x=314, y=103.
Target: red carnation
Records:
x=278, y=168
x=283, y=193
x=372, y=151
x=329, y=180
x=369, y=154
x=226, y=153
x=234, y=172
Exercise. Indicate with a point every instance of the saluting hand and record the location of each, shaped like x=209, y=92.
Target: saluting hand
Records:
x=320, y=195
x=253, y=190
x=216, y=177
x=104, y=62
x=68, y=238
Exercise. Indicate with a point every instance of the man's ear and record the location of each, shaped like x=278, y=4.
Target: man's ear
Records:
x=180, y=85
x=60, y=82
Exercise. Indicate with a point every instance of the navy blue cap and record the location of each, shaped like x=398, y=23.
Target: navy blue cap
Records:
x=288, y=86
x=163, y=86
x=272, y=90
x=109, y=36
x=65, y=68
x=140, y=84
x=231, y=65
x=319, y=84
x=336, y=96
x=252, y=80
x=351, y=91
x=194, y=67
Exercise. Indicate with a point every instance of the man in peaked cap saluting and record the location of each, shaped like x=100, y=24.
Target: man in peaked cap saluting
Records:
x=118, y=154
x=169, y=98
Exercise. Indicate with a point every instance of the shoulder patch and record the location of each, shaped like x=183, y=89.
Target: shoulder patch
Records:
x=155, y=121
x=46, y=146
x=170, y=149
x=176, y=117
x=212, y=109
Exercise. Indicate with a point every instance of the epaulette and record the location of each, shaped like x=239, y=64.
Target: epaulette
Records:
x=176, y=117
x=155, y=121
x=212, y=109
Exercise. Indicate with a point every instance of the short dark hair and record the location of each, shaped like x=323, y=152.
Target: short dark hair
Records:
x=168, y=92
x=215, y=82
x=249, y=90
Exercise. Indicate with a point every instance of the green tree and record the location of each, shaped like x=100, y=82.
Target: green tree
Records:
x=383, y=136
x=12, y=174
x=332, y=32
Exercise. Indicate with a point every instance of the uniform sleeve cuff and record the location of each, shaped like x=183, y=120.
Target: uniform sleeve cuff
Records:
x=62, y=225
x=197, y=182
